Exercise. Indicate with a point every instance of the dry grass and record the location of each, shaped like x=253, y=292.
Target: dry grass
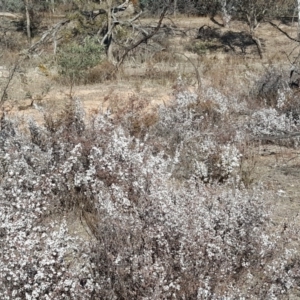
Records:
x=226, y=71
x=134, y=94
x=101, y=73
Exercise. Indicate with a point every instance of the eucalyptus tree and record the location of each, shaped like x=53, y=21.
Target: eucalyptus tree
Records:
x=298, y=7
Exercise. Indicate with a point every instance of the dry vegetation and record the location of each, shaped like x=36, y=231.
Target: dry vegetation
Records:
x=175, y=177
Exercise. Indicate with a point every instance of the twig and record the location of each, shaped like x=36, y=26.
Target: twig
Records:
x=10, y=78
x=196, y=69
x=282, y=31
x=48, y=34
x=144, y=39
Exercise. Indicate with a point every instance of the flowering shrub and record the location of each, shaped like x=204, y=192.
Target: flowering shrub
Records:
x=158, y=231
x=193, y=131
x=34, y=252
x=268, y=88
x=276, y=114
x=223, y=104
x=190, y=241
x=277, y=126
x=270, y=121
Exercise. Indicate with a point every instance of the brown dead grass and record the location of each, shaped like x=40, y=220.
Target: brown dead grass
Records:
x=155, y=78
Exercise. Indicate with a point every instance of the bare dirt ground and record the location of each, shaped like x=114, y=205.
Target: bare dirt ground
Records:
x=278, y=169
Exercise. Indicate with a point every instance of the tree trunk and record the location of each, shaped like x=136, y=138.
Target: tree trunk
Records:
x=256, y=40
x=298, y=2
x=52, y=6
x=175, y=7
x=253, y=24
x=28, y=21
x=109, y=30
x=226, y=17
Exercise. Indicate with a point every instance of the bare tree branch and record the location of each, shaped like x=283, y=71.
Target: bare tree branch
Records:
x=195, y=67
x=9, y=80
x=282, y=31
x=10, y=15
x=51, y=33
x=144, y=39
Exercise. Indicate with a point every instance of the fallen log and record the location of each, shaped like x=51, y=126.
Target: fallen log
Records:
x=10, y=15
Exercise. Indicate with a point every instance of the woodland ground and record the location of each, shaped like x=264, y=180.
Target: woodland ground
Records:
x=231, y=70
x=154, y=82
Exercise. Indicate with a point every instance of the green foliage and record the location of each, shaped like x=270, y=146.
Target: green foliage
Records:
x=12, y=5
x=75, y=59
x=17, y=6
x=82, y=26
x=121, y=33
